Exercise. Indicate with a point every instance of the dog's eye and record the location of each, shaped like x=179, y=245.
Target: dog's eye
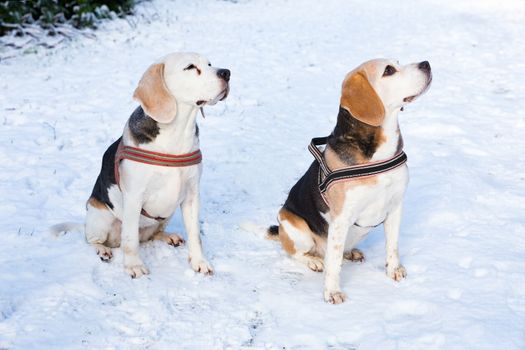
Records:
x=209, y=64
x=389, y=70
x=192, y=66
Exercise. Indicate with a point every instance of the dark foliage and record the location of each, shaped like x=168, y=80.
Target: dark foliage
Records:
x=15, y=14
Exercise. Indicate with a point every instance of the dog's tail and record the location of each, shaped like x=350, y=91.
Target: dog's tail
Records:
x=273, y=232
x=65, y=227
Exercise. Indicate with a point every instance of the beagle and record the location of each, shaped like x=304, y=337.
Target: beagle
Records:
x=315, y=225
x=155, y=166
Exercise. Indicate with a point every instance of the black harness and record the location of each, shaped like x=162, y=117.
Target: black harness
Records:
x=327, y=177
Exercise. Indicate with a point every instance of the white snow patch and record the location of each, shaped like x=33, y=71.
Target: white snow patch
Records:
x=462, y=238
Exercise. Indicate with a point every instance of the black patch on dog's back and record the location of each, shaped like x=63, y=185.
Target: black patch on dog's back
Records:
x=305, y=201
x=106, y=178
x=143, y=128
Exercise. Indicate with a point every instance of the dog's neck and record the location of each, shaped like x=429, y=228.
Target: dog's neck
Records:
x=177, y=137
x=356, y=142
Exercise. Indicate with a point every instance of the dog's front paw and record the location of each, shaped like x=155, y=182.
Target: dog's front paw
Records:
x=136, y=271
x=104, y=253
x=396, y=273
x=135, y=267
x=334, y=297
x=201, y=265
x=316, y=264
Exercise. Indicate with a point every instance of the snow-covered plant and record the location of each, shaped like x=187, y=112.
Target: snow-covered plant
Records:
x=18, y=15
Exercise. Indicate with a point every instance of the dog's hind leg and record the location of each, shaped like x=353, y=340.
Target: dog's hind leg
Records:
x=99, y=222
x=172, y=239
x=355, y=235
x=298, y=240
x=355, y=255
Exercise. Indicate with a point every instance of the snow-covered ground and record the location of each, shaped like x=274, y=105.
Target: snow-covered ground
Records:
x=463, y=234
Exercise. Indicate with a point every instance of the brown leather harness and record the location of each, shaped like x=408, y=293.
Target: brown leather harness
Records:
x=153, y=158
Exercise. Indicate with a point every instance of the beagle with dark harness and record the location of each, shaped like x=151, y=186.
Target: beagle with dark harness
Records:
x=358, y=180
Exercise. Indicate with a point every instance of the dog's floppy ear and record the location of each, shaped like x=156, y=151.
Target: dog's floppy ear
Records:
x=153, y=95
x=360, y=99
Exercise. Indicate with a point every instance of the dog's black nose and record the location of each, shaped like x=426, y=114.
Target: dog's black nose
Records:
x=424, y=66
x=224, y=74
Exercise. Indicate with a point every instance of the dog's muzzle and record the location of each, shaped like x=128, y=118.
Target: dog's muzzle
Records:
x=224, y=74
x=424, y=67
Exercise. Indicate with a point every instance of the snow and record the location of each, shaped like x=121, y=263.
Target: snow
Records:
x=463, y=233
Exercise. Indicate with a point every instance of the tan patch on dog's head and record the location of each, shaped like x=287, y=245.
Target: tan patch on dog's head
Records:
x=153, y=95
x=361, y=100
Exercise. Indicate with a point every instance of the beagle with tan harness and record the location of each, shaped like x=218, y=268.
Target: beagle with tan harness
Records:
x=155, y=166
x=358, y=180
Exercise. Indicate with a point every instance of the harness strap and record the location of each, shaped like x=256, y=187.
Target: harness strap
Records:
x=153, y=158
x=318, y=141
x=328, y=177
